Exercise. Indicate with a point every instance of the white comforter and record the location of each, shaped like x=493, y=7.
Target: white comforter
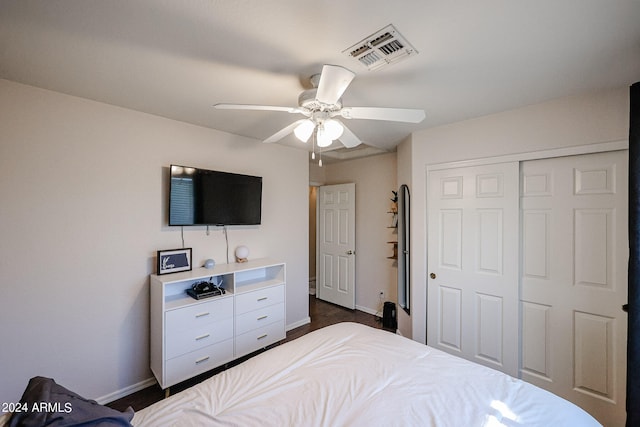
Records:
x=353, y=375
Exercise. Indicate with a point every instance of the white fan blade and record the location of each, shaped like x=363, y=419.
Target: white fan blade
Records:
x=348, y=139
x=334, y=80
x=291, y=110
x=407, y=115
x=284, y=131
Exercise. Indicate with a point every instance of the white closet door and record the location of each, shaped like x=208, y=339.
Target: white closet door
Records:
x=473, y=263
x=574, y=279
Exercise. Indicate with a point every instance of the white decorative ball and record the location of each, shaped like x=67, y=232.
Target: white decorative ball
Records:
x=242, y=252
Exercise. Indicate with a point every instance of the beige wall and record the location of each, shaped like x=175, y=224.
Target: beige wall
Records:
x=374, y=178
x=82, y=213
x=317, y=174
x=572, y=121
x=404, y=177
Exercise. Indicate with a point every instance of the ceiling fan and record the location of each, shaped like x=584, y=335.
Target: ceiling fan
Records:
x=321, y=106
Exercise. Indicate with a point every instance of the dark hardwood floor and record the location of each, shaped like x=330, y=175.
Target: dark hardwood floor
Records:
x=322, y=314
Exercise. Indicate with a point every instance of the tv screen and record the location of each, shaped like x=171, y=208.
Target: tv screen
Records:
x=206, y=197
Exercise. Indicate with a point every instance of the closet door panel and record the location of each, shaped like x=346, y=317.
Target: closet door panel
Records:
x=574, y=279
x=473, y=263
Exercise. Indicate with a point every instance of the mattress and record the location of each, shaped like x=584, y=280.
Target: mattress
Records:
x=354, y=375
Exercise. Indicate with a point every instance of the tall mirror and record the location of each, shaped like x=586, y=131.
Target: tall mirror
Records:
x=403, y=248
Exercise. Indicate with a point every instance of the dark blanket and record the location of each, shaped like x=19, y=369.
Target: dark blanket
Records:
x=45, y=403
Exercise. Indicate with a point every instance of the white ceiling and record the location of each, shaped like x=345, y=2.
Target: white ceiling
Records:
x=175, y=58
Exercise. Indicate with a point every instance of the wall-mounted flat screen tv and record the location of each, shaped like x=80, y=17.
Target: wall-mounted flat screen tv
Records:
x=207, y=197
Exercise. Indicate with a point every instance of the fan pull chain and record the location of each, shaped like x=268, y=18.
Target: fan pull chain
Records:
x=313, y=152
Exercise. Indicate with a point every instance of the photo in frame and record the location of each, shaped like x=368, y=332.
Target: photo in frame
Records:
x=174, y=261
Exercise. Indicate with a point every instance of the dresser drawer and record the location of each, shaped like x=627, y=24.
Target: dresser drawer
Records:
x=259, y=318
x=254, y=300
x=194, y=316
x=194, y=363
x=259, y=338
x=179, y=342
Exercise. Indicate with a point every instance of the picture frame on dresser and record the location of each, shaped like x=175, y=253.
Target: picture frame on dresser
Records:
x=173, y=261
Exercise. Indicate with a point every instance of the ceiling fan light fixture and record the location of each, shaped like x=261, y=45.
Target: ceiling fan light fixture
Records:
x=304, y=130
x=323, y=138
x=333, y=129
x=320, y=104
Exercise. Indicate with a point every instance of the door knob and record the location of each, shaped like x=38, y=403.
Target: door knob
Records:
x=432, y=275
x=350, y=252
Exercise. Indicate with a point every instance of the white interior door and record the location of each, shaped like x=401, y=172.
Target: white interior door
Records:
x=473, y=263
x=336, y=244
x=574, y=279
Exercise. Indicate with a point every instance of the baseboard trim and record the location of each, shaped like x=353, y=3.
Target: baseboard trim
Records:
x=298, y=324
x=368, y=310
x=126, y=391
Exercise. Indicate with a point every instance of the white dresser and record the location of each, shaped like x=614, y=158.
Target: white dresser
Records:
x=189, y=336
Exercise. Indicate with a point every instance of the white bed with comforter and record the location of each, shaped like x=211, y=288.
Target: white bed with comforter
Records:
x=354, y=375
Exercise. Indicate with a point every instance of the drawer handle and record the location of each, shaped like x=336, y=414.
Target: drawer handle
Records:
x=262, y=317
x=201, y=337
x=202, y=359
x=262, y=336
x=202, y=314
x=263, y=299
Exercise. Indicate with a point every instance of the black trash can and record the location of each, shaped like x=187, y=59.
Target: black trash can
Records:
x=389, y=315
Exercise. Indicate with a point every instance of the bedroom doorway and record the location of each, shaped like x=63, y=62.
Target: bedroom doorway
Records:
x=336, y=244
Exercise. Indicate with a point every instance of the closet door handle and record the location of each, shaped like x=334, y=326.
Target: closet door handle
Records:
x=432, y=275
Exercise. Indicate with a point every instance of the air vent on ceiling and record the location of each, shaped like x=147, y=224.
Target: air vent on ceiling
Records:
x=381, y=48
